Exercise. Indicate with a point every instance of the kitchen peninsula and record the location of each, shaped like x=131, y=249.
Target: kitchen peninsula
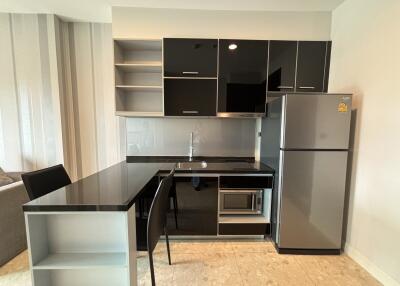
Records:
x=85, y=233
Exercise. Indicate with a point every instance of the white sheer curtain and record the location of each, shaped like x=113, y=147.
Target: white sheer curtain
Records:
x=94, y=138
x=57, y=95
x=29, y=107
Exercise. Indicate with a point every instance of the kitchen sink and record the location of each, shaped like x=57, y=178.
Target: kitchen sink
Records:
x=192, y=165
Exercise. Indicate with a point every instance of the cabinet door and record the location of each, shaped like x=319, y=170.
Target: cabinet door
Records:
x=190, y=57
x=311, y=66
x=197, y=203
x=282, y=66
x=242, y=78
x=327, y=66
x=190, y=97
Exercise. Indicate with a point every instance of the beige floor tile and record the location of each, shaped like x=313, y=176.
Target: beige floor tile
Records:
x=261, y=246
x=206, y=269
x=206, y=246
x=16, y=272
x=270, y=269
x=162, y=270
x=335, y=270
x=18, y=264
x=226, y=262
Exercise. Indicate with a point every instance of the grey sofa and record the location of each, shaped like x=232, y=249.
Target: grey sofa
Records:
x=12, y=223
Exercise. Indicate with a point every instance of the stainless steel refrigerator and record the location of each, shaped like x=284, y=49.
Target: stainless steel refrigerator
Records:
x=305, y=137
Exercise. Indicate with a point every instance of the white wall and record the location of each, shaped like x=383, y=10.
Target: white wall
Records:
x=157, y=23
x=30, y=123
x=366, y=61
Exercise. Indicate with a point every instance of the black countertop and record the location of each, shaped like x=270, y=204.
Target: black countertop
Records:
x=117, y=187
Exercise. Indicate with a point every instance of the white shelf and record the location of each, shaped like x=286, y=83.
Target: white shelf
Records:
x=82, y=277
x=82, y=261
x=139, y=87
x=148, y=67
x=139, y=114
x=138, y=77
x=242, y=219
x=139, y=44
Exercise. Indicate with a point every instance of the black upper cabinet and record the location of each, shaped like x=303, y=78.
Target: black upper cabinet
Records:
x=327, y=66
x=311, y=66
x=242, y=78
x=190, y=57
x=190, y=97
x=282, y=65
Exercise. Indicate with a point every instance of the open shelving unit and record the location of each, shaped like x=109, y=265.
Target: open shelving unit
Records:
x=138, y=77
x=71, y=249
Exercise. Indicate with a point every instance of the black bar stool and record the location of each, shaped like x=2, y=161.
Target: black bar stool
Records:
x=145, y=198
x=44, y=181
x=156, y=224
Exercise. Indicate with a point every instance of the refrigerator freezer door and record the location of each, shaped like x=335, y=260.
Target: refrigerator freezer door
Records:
x=316, y=121
x=312, y=193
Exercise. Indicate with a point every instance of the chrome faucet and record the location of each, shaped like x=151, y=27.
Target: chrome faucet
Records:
x=191, y=148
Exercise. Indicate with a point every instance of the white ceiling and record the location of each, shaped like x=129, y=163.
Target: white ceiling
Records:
x=100, y=10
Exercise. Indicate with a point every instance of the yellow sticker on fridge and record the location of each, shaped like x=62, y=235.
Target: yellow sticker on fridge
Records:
x=342, y=107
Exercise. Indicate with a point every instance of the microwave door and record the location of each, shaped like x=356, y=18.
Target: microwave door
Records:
x=238, y=202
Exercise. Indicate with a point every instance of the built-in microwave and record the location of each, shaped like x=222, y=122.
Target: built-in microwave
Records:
x=240, y=201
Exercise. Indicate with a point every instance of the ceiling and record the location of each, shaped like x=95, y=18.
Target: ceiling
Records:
x=100, y=10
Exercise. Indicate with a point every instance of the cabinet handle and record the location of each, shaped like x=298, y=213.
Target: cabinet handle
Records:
x=285, y=86
x=190, y=72
x=307, y=87
x=190, y=112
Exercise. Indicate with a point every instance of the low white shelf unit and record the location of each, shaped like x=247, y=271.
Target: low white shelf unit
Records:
x=82, y=248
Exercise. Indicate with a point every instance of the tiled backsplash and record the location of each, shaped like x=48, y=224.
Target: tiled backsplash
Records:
x=171, y=137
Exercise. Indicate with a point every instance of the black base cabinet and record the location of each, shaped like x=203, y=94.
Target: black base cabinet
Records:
x=197, y=203
x=244, y=229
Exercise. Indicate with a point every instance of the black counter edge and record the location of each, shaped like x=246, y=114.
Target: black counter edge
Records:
x=76, y=208
x=174, y=159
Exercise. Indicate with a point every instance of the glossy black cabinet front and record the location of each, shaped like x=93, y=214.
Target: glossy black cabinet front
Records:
x=242, y=78
x=197, y=204
x=190, y=57
x=311, y=61
x=282, y=66
x=327, y=66
x=190, y=97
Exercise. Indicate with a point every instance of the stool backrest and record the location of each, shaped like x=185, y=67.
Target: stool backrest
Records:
x=158, y=212
x=41, y=182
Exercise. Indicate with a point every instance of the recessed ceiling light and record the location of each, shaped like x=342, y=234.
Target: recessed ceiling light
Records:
x=232, y=46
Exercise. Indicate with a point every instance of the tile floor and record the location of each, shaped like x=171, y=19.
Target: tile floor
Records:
x=226, y=263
